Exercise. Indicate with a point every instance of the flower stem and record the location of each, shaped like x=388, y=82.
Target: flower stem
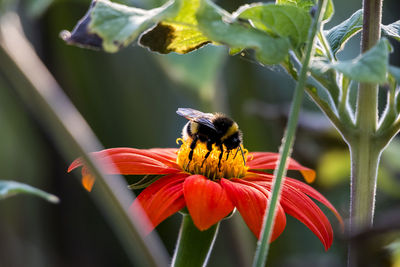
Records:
x=288, y=140
x=193, y=246
x=365, y=158
x=365, y=151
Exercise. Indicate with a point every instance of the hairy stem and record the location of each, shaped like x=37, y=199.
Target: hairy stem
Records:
x=288, y=140
x=193, y=246
x=366, y=123
x=365, y=152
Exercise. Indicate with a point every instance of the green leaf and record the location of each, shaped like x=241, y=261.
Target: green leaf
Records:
x=395, y=72
x=235, y=50
x=392, y=30
x=279, y=20
x=111, y=26
x=11, y=188
x=370, y=67
x=308, y=6
x=221, y=27
x=179, y=34
x=338, y=35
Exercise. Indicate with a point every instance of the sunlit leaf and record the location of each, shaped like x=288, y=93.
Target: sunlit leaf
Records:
x=308, y=6
x=392, y=30
x=235, y=50
x=11, y=188
x=179, y=34
x=279, y=20
x=219, y=26
x=371, y=66
x=340, y=34
x=111, y=26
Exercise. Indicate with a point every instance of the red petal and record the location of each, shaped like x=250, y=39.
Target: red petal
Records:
x=305, y=210
x=132, y=161
x=316, y=195
x=251, y=201
x=161, y=199
x=298, y=205
x=306, y=189
x=75, y=164
x=87, y=179
x=167, y=153
x=268, y=161
x=160, y=154
x=206, y=201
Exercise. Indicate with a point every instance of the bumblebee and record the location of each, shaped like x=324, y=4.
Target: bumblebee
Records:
x=211, y=129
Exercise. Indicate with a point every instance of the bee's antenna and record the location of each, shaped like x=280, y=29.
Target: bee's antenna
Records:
x=241, y=150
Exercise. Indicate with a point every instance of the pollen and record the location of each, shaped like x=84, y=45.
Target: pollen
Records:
x=231, y=165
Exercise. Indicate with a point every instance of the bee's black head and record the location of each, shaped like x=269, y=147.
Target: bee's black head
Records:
x=233, y=141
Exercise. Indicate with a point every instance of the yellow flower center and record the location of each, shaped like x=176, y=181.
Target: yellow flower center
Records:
x=231, y=165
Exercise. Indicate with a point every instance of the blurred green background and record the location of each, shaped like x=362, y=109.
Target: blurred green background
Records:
x=129, y=99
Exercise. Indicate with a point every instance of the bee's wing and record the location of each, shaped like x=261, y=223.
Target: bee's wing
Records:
x=197, y=116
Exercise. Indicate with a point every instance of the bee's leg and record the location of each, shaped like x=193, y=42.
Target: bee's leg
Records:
x=220, y=155
x=227, y=154
x=237, y=150
x=209, y=148
x=192, y=147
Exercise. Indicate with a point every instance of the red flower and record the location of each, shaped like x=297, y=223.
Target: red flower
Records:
x=210, y=193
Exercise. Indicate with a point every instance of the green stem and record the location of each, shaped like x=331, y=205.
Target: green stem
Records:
x=387, y=134
x=363, y=146
x=193, y=246
x=365, y=158
x=390, y=114
x=365, y=151
x=365, y=155
x=327, y=47
x=39, y=90
x=288, y=140
x=344, y=109
x=327, y=108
